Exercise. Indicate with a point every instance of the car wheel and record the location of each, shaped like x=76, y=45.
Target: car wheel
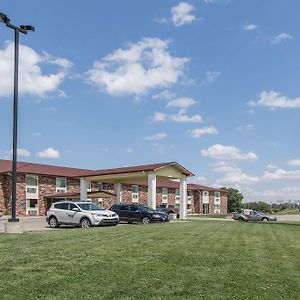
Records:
x=264, y=219
x=145, y=220
x=85, y=223
x=241, y=219
x=53, y=223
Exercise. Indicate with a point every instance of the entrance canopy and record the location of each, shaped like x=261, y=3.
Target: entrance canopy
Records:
x=90, y=195
x=139, y=174
x=169, y=170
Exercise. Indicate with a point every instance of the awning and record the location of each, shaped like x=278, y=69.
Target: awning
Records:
x=96, y=194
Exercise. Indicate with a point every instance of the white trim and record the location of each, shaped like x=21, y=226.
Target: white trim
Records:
x=151, y=190
x=183, y=198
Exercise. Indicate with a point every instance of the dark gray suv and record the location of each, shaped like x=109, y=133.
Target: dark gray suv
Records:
x=138, y=213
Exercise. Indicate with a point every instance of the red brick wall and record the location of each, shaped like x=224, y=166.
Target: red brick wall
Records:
x=223, y=203
x=2, y=187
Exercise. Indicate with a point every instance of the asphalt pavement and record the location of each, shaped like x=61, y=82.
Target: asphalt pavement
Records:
x=40, y=224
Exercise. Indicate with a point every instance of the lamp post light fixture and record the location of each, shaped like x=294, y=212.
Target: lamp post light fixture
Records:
x=17, y=29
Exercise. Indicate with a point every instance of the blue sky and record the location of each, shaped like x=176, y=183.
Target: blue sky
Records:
x=212, y=84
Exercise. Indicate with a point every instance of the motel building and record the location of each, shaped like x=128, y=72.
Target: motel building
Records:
x=39, y=185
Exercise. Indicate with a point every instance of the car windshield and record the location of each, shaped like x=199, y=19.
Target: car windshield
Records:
x=146, y=208
x=89, y=206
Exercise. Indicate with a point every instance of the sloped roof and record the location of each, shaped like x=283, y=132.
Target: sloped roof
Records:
x=139, y=168
x=98, y=194
x=41, y=169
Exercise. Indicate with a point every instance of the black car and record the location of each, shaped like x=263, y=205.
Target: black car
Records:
x=139, y=213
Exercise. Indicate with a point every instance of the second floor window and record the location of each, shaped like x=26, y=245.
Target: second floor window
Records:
x=135, y=193
x=61, y=184
x=31, y=180
x=217, y=194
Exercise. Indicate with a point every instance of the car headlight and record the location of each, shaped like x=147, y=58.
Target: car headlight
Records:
x=96, y=215
x=156, y=216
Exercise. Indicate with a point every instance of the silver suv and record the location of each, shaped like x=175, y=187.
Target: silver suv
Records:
x=82, y=214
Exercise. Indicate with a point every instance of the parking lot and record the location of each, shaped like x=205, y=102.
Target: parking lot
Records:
x=39, y=223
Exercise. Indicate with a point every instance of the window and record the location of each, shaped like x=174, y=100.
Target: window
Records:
x=164, y=195
x=206, y=208
x=177, y=195
x=61, y=184
x=62, y=205
x=89, y=186
x=31, y=190
x=134, y=208
x=124, y=207
x=189, y=197
x=100, y=186
x=31, y=186
x=135, y=193
x=217, y=194
x=31, y=180
x=116, y=207
x=71, y=206
x=32, y=203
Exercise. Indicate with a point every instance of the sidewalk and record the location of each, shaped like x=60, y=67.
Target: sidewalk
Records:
x=29, y=223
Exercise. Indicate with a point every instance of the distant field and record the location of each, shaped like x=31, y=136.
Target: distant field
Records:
x=191, y=260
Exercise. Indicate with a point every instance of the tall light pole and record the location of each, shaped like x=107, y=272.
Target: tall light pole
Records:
x=17, y=29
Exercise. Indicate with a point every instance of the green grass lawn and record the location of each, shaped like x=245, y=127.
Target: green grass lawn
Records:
x=196, y=260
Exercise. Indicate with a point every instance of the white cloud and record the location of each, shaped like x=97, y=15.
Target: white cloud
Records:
x=292, y=193
x=201, y=180
x=281, y=37
x=212, y=76
x=198, y=132
x=294, y=162
x=271, y=167
x=49, y=153
x=156, y=137
x=250, y=27
x=164, y=95
x=222, y=152
x=141, y=67
x=182, y=14
x=274, y=100
x=20, y=152
x=181, y=116
x=247, y=127
x=129, y=150
x=280, y=174
x=183, y=102
x=159, y=117
x=31, y=79
x=233, y=175
x=209, y=1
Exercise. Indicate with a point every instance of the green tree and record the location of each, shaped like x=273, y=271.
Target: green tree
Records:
x=260, y=206
x=234, y=199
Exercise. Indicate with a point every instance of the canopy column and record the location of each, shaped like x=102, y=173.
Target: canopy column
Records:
x=152, y=190
x=118, y=192
x=84, y=185
x=183, y=198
